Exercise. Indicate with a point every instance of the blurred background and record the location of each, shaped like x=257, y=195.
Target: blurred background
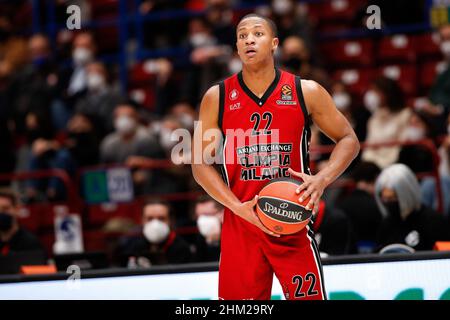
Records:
x=86, y=118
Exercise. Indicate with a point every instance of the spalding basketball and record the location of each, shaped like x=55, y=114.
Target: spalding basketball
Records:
x=278, y=207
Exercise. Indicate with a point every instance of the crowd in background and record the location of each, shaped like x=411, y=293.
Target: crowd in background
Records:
x=62, y=107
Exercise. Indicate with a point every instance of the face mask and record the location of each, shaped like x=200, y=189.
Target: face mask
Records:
x=199, y=39
x=414, y=133
x=156, y=231
x=393, y=208
x=445, y=48
x=125, y=124
x=282, y=7
x=208, y=225
x=95, y=81
x=235, y=65
x=165, y=139
x=371, y=101
x=187, y=121
x=6, y=221
x=293, y=63
x=81, y=56
x=342, y=100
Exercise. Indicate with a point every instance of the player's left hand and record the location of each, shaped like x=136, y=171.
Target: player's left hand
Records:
x=314, y=186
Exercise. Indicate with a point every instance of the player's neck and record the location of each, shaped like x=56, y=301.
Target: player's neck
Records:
x=258, y=79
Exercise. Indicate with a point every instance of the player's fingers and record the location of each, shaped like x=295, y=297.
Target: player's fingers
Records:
x=294, y=173
x=306, y=194
x=316, y=206
x=301, y=187
x=254, y=201
x=312, y=201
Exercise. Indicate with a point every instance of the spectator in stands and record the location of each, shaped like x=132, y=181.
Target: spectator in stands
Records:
x=296, y=58
x=74, y=81
x=83, y=140
x=14, y=238
x=416, y=157
x=220, y=16
x=292, y=22
x=208, y=60
x=158, y=243
x=100, y=99
x=208, y=214
x=13, y=49
x=131, y=139
x=43, y=152
x=438, y=105
x=428, y=184
x=361, y=208
x=333, y=231
x=406, y=220
x=389, y=119
x=32, y=88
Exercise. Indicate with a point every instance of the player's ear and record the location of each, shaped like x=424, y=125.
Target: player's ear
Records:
x=275, y=42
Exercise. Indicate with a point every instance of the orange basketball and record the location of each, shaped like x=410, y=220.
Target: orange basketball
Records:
x=278, y=207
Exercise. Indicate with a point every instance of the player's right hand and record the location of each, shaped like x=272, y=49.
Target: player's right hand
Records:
x=247, y=212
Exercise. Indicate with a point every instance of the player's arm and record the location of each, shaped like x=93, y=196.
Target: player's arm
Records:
x=334, y=125
x=205, y=174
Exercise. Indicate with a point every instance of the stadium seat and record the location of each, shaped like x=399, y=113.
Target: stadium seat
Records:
x=30, y=217
x=396, y=48
x=427, y=46
x=356, y=80
x=404, y=74
x=349, y=53
x=98, y=214
x=94, y=240
x=334, y=10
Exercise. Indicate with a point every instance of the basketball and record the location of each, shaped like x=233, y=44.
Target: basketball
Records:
x=278, y=207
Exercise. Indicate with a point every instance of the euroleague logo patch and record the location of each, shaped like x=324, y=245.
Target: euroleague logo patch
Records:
x=286, y=96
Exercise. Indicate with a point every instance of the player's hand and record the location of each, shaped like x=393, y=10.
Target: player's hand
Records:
x=247, y=212
x=313, y=185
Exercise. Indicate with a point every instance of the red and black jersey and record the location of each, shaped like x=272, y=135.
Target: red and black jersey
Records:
x=264, y=136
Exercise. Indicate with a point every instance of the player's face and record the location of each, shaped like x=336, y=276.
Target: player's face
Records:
x=255, y=41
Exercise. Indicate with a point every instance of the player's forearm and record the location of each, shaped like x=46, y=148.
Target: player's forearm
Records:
x=342, y=156
x=207, y=177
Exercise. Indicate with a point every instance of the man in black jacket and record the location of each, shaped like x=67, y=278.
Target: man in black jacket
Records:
x=14, y=238
x=157, y=244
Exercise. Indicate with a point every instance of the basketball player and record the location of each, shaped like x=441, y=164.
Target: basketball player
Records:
x=262, y=99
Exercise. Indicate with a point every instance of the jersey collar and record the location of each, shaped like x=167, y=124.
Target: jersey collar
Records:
x=259, y=101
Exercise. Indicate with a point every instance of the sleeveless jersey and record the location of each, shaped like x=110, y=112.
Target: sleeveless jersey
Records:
x=262, y=137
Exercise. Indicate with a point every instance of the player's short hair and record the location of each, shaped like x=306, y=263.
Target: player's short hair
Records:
x=270, y=22
x=207, y=198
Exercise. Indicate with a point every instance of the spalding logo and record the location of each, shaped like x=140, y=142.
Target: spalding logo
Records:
x=284, y=205
x=284, y=211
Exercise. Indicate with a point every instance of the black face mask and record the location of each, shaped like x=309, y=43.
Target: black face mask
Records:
x=393, y=207
x=6, y=221
x=293, y=63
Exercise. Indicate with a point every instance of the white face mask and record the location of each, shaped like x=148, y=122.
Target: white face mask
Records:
x=235, y=65
x=282, y=7
x=445, y=48
x=165, y=139
x=125, y=124
x=414, y=133
x=187, y=121
x=156, y=231
x=208, y=225
x=81, y=56
x=95, y=81
x=199, y=39
x=371, y=101
x=342, y=100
